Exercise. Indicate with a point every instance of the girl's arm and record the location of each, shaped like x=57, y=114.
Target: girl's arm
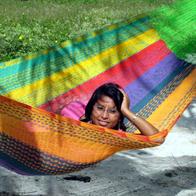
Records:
x=144, y=126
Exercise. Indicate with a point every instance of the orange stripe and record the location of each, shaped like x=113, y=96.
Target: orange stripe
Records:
x=55, y=143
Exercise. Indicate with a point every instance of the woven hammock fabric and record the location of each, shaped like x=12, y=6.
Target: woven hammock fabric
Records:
x=38, y=89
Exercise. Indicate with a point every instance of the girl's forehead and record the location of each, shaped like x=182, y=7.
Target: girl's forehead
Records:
x=105, y=100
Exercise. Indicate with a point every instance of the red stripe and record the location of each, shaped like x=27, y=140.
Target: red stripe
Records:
x=123, y=73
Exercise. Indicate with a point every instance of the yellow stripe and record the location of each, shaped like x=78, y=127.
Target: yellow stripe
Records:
x=37, y=93
x=166, y=114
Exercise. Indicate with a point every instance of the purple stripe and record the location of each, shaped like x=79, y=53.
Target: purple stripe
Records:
x=12, y=168
x=138, y=89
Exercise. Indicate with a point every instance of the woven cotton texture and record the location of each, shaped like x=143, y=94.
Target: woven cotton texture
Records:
x=38, y=89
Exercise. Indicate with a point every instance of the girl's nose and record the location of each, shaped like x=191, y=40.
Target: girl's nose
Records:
x=105, y=114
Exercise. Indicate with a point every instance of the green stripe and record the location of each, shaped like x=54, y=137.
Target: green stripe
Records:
x=55, y=61
x=75, y=45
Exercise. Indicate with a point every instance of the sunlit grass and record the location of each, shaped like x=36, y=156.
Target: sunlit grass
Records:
x=31, y=25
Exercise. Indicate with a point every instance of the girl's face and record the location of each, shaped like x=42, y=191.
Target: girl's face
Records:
x=105, y=113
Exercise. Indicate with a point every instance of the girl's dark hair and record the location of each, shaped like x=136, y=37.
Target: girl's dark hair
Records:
x=111, y=90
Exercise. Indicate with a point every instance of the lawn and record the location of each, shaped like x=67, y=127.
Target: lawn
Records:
x=28, y=26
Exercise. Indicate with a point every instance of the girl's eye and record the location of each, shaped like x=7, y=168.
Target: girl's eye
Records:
x=99, y=107
x=110, y=111
x=113, y=111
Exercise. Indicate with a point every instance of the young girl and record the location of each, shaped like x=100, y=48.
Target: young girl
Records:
x=108, y=106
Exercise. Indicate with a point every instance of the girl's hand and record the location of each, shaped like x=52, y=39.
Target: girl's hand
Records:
x=144, y=126
x=126, y=103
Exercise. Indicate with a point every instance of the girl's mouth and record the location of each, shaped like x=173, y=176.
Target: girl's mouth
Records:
x=103, y=123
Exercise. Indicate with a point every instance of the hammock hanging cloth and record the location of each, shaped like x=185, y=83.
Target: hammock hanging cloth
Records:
x=38, y=89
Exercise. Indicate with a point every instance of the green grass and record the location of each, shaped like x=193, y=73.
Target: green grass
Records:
x=32, y=25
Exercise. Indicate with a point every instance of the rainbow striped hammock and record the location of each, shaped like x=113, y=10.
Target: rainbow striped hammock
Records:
x=37, y=89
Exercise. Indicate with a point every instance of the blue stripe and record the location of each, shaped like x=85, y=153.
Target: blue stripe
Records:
x=70, y=51
x=155, y=91
x=139, y=88
x=16, y=166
